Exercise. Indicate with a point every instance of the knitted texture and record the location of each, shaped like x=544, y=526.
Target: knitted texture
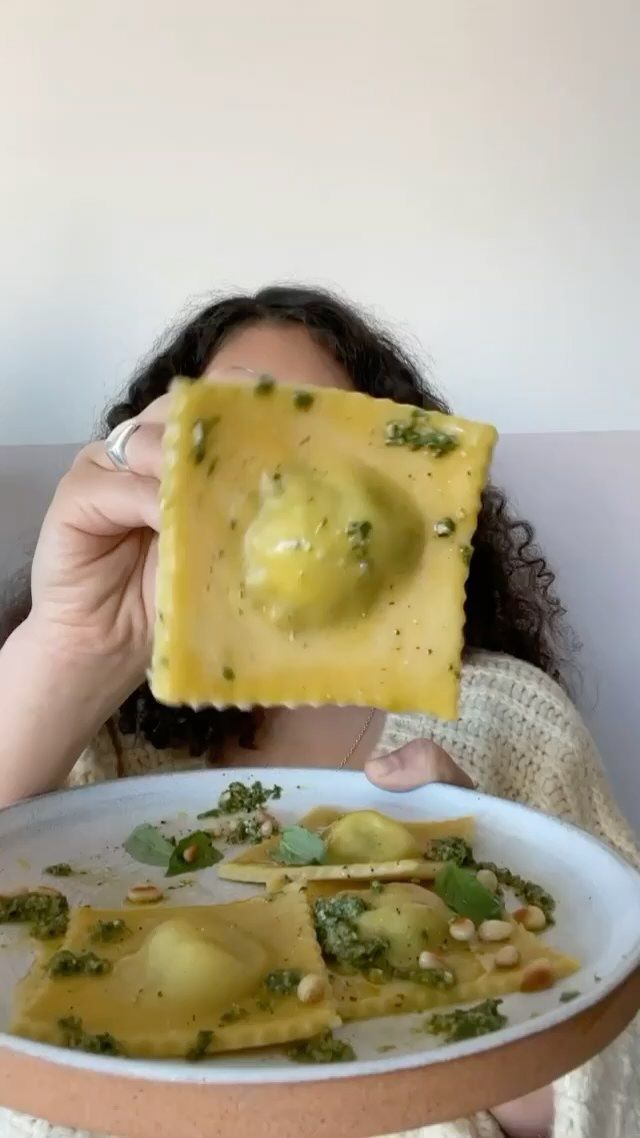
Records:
x=520, y=738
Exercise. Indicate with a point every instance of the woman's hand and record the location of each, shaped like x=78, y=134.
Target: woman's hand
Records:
x=416, y=764
x=93, y=574
x=86, y=643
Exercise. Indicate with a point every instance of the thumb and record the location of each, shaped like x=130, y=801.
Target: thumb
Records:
x=415, y=764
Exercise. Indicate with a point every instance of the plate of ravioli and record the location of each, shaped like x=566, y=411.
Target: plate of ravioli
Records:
x=184, y=954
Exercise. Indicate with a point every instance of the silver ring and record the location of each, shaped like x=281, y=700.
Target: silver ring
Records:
x=116, y=444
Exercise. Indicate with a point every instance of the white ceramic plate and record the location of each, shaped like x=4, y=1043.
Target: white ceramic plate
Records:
x=597, y=894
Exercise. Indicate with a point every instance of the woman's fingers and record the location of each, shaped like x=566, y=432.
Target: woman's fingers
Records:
x=143, y=451
x=97, y=500
x=105, y=503
x=418, y=762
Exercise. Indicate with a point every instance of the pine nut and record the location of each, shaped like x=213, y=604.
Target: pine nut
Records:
x=429, y=960
x=461, y=928
x=311, y=989
x=488, y=878
x=144, y=894
x=532, y=918
x=537, y=976
x=494, y=930
x=190, y=853
x=507, y=956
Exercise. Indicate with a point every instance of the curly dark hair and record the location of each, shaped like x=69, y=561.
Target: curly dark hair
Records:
x=511, y=605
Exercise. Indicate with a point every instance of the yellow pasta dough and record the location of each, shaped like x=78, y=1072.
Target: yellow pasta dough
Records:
x=360, y=844
x=183, y=971
x=472, y=969
x=314, y=548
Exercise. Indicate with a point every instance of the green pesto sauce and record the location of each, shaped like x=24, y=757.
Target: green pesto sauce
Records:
x=439, y=978
x=338, y=934
x=110, y=932
x=234, y=1014
x=47, y=914
x=566, y=997
x=60, y=869
x=77, y=1039
x=358, y=535
x=202, y=1043
x=67, y=963
x=240, y=798
x=283, y=981
x=265, y=385
x=303, y=400
x=416, y=433
x=321, y=1049
x=451, y=849
x=467, y=1023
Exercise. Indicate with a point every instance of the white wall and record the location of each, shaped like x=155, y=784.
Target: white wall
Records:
x=468, y=167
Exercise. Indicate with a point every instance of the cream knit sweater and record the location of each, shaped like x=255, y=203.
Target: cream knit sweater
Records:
x=518, y=737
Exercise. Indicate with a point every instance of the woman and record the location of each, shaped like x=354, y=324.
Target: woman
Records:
x=72, y=668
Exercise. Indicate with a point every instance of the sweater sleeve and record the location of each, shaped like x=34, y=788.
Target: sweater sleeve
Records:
x=599, y=1098
x=520, y=737
x=577, y=787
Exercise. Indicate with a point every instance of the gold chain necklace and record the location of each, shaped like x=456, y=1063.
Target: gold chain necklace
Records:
x=358, y=739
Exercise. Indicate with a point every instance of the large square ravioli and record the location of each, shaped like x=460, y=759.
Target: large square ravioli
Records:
x=370, y=994
x=184, y=971
x=260, y=864
x=314, y=548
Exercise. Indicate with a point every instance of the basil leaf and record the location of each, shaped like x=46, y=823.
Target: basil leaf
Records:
x=461, y=891
x=201, y=854
x=299, y=846
x=148, y=845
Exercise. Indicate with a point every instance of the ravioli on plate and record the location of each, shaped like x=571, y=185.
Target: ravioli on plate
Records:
x=174, y=982
x=390, y=951
x=360, y=844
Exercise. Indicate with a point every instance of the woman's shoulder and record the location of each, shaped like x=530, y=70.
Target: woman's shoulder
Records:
x=499, y=679
x=497, y=688
x=514, y=723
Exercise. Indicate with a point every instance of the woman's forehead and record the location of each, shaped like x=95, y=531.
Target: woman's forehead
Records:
x=286, y=351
